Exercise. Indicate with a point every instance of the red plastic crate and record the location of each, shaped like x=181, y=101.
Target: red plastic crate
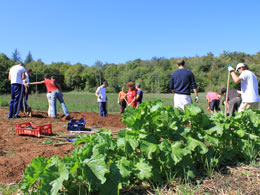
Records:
x=35, y=131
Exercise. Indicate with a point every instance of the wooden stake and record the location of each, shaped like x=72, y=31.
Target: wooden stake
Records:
x=226, y=101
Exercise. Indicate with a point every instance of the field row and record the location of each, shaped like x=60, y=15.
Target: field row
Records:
x=87, y=102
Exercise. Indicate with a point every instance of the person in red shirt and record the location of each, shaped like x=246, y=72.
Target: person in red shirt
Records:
x=131, y=94
x=55, y=90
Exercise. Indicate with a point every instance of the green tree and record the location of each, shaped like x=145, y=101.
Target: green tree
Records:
x=16, y=56
x=29, y=58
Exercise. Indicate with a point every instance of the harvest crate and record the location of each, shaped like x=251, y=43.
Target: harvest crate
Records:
x=76, y=125
x=30, y=129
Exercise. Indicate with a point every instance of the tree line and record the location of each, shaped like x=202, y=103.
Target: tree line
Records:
x=154, y=75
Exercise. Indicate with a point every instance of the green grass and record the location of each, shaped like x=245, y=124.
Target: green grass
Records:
x=87, y=102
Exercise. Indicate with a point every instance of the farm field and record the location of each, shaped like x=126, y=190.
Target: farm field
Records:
x=87, y=102
x=18, y=151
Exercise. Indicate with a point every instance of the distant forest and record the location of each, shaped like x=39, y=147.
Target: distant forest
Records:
x=154, y=75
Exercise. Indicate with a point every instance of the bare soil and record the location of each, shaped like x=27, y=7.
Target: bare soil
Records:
x=17, y=151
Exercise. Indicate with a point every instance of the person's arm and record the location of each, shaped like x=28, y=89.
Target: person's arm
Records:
x=118, y=99
x=239, y=92
x=196, y=92
x=36, y=83
x=9, y=77
x=235, y=78
x=208, y=104
x=97, y=92
x=172, y=84
x=133, y=101
x=137, y=96
x=58, y=86
x=23, y=75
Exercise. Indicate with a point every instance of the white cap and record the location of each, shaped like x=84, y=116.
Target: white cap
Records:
x=239, y=66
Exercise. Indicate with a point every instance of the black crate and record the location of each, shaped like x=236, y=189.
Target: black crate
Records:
x=76, y=125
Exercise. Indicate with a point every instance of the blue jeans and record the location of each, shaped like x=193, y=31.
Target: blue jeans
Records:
x=54, y=96
x=102, y=109
x=16, y=99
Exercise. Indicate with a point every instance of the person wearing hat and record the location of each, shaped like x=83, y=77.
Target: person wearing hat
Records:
x=180, y=84
x=233, y=101
x=139, y=96
x=249, y=86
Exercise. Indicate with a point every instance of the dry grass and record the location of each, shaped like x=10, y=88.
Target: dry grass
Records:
x=242, y=180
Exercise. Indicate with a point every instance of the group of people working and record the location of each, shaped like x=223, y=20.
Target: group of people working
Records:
x=233, y=101
x=133, y=97
x=182, y=80
x=19, y=79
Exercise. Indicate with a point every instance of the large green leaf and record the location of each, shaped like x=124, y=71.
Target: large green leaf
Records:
x=215, y=129
x=33, y=172
x=58, y=183
x=96, y=169
x=109, y=188
x=143, y=169
x=178, y=151
x=148, y=148
x=193, y=143
x=211, y=139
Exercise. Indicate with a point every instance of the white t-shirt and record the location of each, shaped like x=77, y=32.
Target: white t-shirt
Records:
x=26, y=80
x=101, y=91
x=16, y=74
x=249, y=87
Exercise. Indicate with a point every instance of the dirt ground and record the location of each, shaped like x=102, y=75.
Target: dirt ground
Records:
x=17, y=151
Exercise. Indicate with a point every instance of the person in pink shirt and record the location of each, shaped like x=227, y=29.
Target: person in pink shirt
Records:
x=213, y=99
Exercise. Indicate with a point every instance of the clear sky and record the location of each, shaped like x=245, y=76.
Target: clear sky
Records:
x=116, y=31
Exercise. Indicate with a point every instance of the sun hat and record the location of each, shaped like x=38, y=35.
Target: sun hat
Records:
x=240, y=65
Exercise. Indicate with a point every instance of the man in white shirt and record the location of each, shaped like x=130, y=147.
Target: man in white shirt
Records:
x=249, y=86
x=102, y=99
x=16, y=76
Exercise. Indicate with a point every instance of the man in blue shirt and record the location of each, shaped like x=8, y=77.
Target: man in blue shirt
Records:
x=182, y=80
x=139, y=94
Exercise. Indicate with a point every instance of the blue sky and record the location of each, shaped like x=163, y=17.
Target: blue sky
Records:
x=116, y=31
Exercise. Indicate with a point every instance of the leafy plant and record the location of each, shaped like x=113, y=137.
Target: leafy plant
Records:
x=163, y=143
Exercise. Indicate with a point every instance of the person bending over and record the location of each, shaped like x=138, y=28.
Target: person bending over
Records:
x=55, y=90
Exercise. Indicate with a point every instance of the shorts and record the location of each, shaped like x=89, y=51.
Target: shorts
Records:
x=246, y=105
x=214, y=105
x=180, y=100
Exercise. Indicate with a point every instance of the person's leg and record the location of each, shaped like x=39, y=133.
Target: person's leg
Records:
x=50, y=110
x=217, y=105
x=243, y=106
x=11, y=105
x=100, y=108
x=122, y=106
x=254, y=105
x=64, y=108
x=180, y=101
x=233, y=106
x=104, y=109
x=26, y=92
x=53, y=103
x=18, y=99
x=212, y=106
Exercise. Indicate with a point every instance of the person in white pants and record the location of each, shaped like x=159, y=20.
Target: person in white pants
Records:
x=50, y=110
